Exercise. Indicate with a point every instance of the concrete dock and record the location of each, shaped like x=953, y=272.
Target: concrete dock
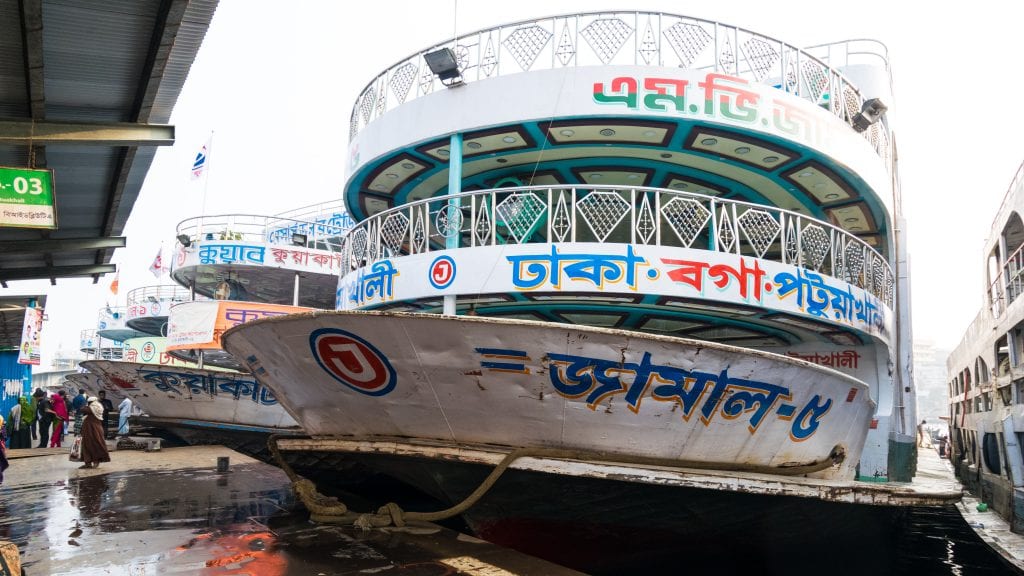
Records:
x=171, y=512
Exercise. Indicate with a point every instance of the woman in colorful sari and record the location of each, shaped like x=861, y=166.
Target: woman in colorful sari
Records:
x=94, y=447
x=28, y=417
x=60, y=409
x=3, y=450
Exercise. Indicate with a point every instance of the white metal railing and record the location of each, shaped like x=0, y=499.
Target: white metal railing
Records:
x=1009, y=284
x=322, y=232
x=1018, y=178
x=618, y=214
x=623, y=38
x=851, y=52
x=154, y=294
x=114, y=316
x=96, y=346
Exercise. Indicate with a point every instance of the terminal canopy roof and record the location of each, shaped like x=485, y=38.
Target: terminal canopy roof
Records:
x=87, y=89
x=12, y=318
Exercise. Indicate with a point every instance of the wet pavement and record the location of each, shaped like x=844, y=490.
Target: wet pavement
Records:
x=170, y=512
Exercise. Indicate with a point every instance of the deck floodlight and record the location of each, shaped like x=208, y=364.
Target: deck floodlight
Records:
x=299, y=239
x=870, y=112
x=443, y=63
x=185, y=240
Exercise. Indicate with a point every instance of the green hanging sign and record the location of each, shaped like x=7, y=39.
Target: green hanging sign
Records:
x=26, y=198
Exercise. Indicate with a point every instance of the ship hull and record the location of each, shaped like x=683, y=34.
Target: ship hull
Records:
x=214, y=399
x=622, y=523
x=527, y=384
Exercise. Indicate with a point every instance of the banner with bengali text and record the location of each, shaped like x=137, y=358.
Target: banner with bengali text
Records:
x=199, y=325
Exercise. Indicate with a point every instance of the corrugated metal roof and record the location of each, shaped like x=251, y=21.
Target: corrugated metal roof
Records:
x=90, y=61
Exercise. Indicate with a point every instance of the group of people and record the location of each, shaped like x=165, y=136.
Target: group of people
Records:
x=31, y=418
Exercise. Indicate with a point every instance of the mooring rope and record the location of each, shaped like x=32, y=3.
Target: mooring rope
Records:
x=330, y=510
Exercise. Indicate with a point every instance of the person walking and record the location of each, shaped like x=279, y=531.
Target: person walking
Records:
x=108, y=411
x=920, y=433
x=94, y=444
x=13, y=425
x=125, y=411
x=76, y=409
x=28, y=418
x=60, y=418
x=44, y=416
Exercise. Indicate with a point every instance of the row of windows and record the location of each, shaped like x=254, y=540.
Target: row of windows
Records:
x=992, y=452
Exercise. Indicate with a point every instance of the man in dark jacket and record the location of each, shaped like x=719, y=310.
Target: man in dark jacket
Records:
x=44, y=416
x=108, y=409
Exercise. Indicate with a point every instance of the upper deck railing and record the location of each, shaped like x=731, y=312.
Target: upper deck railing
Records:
x=627, y=38
x=618, y=214
x=1018, y=178
x=322, y=231
x=154, y=294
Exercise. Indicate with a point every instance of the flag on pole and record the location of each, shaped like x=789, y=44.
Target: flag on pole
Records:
x=157, y=267
x=201, y=162
x=113, y=285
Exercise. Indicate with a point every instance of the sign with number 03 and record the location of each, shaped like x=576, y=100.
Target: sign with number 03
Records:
x=26, y=198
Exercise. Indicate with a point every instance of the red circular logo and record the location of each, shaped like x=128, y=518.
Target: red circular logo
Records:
x=352, y=361
x=442, y=272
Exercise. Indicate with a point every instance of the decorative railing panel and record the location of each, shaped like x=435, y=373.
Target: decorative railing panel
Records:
x=625, y=38
x=621, y=215
x=322, y=230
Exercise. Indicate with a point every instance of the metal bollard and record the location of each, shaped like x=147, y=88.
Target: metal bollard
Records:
x=222, y=464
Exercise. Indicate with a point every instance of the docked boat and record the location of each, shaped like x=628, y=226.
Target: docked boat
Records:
x=986, y=372
x=659, y=257
x=230, y=269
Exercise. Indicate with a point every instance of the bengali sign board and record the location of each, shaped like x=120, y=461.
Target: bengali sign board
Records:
x=27, y=198
x=617, y=269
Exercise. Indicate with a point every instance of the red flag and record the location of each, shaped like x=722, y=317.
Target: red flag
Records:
x=113, y=285
x=157, y=267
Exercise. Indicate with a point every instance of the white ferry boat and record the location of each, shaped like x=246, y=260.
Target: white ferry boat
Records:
x=661, y=254
x=986, y=374
x=172, y=364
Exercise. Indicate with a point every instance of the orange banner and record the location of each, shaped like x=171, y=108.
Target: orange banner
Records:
x=229, y=314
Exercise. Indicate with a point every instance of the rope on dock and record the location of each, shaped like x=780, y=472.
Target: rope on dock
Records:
x=330, y=510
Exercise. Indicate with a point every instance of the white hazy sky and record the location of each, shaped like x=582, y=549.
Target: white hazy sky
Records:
x=276, y=82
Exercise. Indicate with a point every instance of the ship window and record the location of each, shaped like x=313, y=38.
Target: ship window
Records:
x=1020, y=443
x=987, y=401
x=1019, y=386
x=980, y=370
x=973, y=453
x=990, y=452
x=1002, y=351
x=960, y=451
x=1005, y=395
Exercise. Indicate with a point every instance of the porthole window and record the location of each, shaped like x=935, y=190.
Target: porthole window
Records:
x=990, y=452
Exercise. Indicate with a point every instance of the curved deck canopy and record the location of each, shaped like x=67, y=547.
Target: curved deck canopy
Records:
x=634, y=99
x=287, y=259
x=112, y=323
x=149, y=306
x=98, y=347
x=92, y=107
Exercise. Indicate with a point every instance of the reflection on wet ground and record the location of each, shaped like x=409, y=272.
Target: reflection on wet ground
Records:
x=172, y=520
x=131, y=519
x=171, y=513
